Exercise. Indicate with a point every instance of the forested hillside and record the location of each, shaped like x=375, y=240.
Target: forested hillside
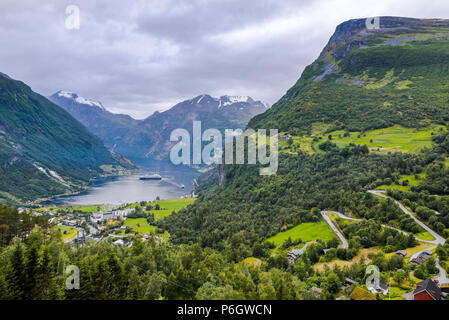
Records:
x=44, y=151
x=363, y=80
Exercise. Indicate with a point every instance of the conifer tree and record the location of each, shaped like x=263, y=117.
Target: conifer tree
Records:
x=15, y=275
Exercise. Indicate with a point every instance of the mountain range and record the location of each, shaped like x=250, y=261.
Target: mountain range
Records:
x=44, y=151
x=149, y=139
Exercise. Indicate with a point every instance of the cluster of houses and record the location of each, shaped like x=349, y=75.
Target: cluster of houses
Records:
x=116, y=214
x=93, y=219
x=425, y=290
x=125, y=241
x=421, y=257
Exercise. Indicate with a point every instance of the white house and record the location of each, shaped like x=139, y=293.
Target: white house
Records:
x=95, y=217
x=378, y=287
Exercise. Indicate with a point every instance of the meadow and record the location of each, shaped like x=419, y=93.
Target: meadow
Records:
x=140, y=225
x=393, y=139
x=169, y=206
x=68, y=233
x=306, y=232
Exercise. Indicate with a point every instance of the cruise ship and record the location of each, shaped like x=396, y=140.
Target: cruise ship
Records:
x=151, y=177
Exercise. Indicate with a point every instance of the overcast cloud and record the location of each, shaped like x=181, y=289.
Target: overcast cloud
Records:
x=141, y=56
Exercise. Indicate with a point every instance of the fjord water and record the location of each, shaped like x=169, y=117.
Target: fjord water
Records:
x=128, y=189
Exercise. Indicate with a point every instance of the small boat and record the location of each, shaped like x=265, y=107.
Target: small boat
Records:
x=151, y=177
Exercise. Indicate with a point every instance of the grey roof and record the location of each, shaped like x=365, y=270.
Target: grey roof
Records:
x=416, y=260
x=380, y=287
x=383, y=285
x=429, y=286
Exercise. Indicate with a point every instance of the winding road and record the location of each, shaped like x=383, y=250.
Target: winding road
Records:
x=335, y=229
x=438, y=239
x=383, y=225
x=442, y=277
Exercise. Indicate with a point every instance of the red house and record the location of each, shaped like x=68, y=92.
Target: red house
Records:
x=427, y=290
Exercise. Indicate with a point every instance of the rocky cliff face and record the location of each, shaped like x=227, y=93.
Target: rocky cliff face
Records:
x=355, y=34
x=370, y=78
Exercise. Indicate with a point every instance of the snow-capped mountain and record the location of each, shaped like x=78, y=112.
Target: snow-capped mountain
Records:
x=75, y=98
x=150, y=138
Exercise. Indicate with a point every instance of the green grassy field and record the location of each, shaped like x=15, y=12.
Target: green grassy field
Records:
x=170, y=206
x=393, y=139
x=72, y=232
x=306, y=232
x=425, y=236
x=398, y=292
x=298, y=143
x=140, y=225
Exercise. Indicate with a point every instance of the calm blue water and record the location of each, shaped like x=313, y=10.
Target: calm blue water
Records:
x=128, y=189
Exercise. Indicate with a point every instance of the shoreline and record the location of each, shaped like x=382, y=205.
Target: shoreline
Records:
x=38, y=202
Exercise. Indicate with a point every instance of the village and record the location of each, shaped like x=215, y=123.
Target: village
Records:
x=89, y=224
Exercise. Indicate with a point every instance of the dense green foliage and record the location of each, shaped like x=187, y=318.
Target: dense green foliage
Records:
x=250, y=208
x=34, y=269
x=13, y=224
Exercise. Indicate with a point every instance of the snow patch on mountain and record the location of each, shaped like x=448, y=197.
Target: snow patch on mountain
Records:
x=78, y=99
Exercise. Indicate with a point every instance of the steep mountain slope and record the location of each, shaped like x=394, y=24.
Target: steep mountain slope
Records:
x=150, y=138
x=394, y=78
x=367, y=79
x=44, y=151
x=116, y=130
x=226, y=112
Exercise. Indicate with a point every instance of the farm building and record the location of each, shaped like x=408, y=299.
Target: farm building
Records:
x=401, y=253
x=423, y=256
x=427, y=290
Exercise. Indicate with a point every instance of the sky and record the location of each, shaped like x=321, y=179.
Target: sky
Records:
x=139, y=56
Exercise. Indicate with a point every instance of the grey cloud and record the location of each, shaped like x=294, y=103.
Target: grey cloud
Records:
x=141, y=56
